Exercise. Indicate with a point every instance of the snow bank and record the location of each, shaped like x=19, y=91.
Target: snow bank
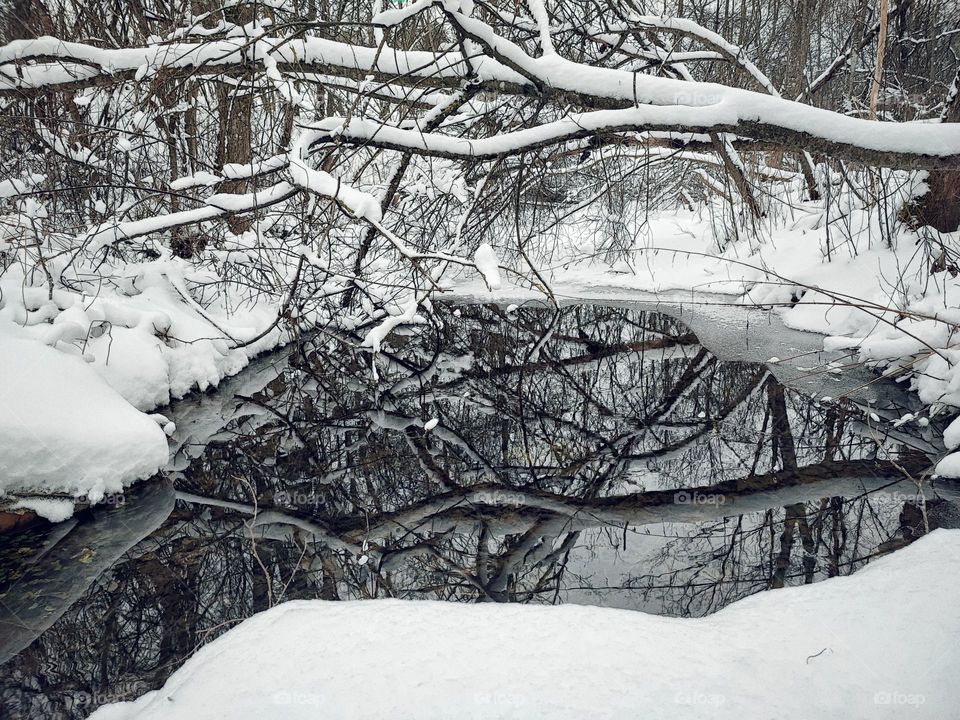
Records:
x=949, y=466
x=77, y=366
x=146, y=339
x=878, y=644
x=63, y=429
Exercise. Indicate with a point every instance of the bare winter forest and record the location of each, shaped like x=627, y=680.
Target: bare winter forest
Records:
x=330, y=155
x=443, y=300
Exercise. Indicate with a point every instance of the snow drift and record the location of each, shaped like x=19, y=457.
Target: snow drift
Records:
x=63, y=429
x=876, y=644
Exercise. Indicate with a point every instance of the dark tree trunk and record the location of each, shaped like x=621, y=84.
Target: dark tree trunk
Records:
x=236, y=132
x=26, y=19
x=940, y=206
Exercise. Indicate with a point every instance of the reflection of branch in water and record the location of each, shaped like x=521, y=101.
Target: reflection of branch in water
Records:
x=623, y=458
x=539, y=413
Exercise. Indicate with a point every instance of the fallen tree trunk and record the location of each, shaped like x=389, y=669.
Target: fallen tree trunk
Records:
x=630, y=102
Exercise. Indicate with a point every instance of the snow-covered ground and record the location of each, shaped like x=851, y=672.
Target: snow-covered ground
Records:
x=882, y=301
x=878, y=644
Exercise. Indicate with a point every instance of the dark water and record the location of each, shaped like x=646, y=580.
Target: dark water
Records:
x=592, y=455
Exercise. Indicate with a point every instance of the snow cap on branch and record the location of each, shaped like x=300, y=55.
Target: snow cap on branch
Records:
x=489, y=265
x=359, y=203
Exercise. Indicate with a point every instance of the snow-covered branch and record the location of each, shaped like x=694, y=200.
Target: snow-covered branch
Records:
x=652, y=103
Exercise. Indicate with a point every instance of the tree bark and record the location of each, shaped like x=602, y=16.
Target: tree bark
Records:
x=940, y=206
x=878, y=66
x=27, y=19
x=795, y=81
x=236, y=134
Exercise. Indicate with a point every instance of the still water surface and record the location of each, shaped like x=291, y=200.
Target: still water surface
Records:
x=594, y=455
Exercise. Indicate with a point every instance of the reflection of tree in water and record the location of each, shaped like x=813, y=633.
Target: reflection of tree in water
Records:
x=551, y=475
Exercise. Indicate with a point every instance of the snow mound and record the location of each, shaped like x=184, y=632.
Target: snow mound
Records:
x=149, y=342
x=949, y=466
x=86, y=361
x=878, y=644
x=488, y=264
x=63, y=429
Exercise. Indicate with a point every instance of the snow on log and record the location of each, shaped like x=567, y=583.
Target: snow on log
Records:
x=201, y=178
x=378, y=334
x=216, y=206
x=359, y=203
x=687, y=106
